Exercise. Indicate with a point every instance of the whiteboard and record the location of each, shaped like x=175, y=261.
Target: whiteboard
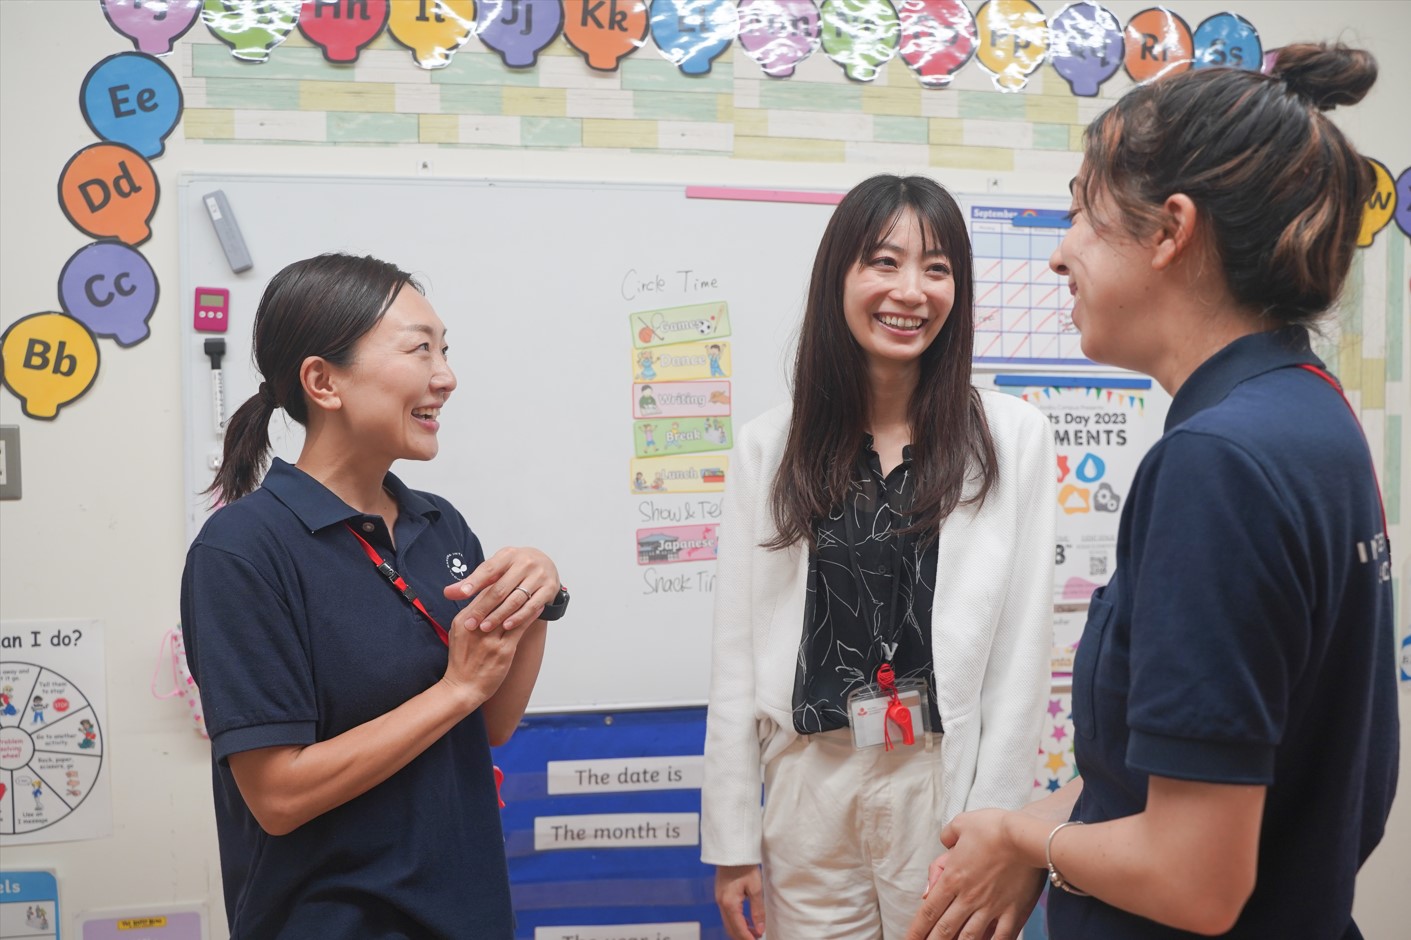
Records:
x=536, y=282
x=543, y=286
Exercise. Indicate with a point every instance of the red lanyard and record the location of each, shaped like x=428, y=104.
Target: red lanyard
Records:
x=896, y=711
x=400, y=583
x=405, y=589
x=1322, y=374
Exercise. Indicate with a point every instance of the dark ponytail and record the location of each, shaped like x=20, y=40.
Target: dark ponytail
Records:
x=1281, y=189
x=246, y=448
x=318, y=307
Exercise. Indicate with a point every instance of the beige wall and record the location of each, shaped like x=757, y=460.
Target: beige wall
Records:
x=99, y=532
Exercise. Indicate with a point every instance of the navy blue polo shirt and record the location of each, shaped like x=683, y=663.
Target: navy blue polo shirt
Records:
x=1247, y=637
x=294, y=638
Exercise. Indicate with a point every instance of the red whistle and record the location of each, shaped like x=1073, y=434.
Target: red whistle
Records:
x=901, y=715
x=500, y=776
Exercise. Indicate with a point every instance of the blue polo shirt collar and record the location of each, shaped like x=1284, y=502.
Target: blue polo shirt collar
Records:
x=1238, y=362
x=317, y=507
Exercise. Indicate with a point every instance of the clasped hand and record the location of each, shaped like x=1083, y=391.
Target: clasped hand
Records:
x=510, y=588
x=980, y=889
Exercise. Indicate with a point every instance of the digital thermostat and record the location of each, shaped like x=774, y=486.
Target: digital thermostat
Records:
x=212, y=313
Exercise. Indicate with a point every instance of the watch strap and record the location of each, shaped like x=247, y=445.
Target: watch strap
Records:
x=556, y=608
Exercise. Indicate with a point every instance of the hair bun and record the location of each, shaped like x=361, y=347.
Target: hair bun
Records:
x=1325, y=75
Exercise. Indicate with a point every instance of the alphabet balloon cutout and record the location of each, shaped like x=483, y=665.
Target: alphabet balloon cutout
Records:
x=1227, y=39
x=1376, y=214
x=860, y=35
x=605, y=32
x=693, y=33
x=1158, y=43
x=109, y=191
x=111, y=289
x=154, y=26
x=343, y=28
x=251, y=28
x=432, y=29
x=1013, y=41
x=779, y=34
x=1085, y=46
x=133, y=99
x=937, y=38
x=49, y=359
x=519, y=29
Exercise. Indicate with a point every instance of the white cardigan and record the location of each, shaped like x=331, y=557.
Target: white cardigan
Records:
x=991, y=632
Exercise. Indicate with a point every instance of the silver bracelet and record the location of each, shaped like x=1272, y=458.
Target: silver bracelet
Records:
x=1054, y=878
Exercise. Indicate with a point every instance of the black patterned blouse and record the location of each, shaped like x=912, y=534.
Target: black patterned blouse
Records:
x=870, y=590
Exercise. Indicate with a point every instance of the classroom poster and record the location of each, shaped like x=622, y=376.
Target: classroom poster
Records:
x=1056, y=765
x=1100, y=434
x=682, y=433
x=1102, y=427
x=53, y=742
x=1023, y=310
x=29, y=905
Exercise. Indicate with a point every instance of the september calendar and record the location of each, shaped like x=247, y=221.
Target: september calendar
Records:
x=1023, y=311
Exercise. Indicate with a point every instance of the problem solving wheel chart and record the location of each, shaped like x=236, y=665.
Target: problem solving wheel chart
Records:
x=51, y=747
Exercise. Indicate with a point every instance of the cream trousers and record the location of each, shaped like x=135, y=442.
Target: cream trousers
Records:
x=848, y=836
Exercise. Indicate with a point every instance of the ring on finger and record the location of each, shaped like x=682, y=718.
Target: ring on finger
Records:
x=527, y=594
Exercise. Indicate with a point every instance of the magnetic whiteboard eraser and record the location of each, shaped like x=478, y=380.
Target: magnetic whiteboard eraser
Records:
x=231, y=241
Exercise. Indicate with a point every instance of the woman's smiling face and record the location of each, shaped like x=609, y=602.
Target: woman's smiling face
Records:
x=1110, y=276
x=896, y=298
x=392, y=392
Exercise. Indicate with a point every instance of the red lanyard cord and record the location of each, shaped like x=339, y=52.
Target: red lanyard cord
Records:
x=400, y=583
x=1322, y=374
x=405, y=589
x=896, y=711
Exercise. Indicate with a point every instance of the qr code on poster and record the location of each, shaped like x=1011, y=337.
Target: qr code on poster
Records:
x=1097, y=566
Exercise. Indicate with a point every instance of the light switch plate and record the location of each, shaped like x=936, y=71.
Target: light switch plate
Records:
x=9, y=461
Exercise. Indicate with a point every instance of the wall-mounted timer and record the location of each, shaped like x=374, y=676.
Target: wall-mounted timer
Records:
x=212, y=309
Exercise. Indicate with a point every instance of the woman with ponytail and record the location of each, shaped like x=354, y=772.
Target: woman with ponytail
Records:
x=356, y=654
x=1234, y=694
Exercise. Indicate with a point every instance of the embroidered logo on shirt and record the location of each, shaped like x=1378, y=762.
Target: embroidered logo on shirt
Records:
x=1374, y=551
x=455, y=562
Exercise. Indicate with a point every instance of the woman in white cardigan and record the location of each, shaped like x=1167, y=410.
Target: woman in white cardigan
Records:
x=892, y=522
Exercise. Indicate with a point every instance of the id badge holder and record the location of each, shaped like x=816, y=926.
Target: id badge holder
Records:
x=880, y=718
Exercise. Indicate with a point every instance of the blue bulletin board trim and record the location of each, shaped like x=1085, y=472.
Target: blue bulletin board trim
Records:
x=1070, y=381
x=594, y=886
x=588, y=887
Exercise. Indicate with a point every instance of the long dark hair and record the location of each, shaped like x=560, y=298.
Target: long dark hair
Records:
x=317, y=307
x=950, y=437
x=1280, y=187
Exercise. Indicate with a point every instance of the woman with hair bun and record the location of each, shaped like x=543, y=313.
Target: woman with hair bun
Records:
x=1234, y=694
x=356, y=654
